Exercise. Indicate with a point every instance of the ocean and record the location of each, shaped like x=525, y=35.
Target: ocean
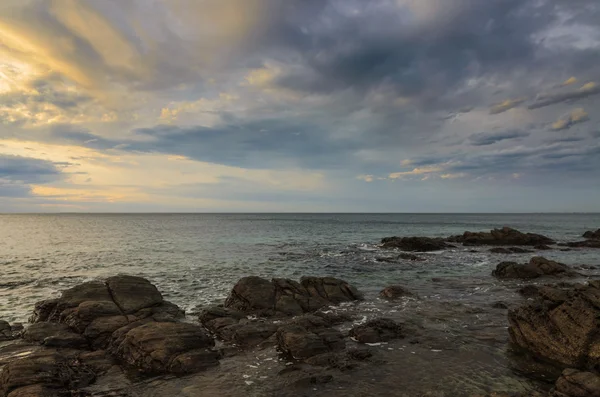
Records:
x=195, y=259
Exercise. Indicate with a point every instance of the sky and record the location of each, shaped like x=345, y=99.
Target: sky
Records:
x=299, y=106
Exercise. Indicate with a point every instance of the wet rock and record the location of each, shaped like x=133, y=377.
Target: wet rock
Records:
x=43, y=372
x=300, y=343
x=378, y=330
x=560, y=325
x=509, y=250
x=8, y=332
x=99, y=361
x=415, y=244
x=504, y=236
x=573, y=383
x=585, y=244
x=282, y=296
x=542, y=247
x=594, y=235
x=54, y=335
x=247, y=334
x=394, y=292
x=537, y=267
x=499, y=305
x=161, y=347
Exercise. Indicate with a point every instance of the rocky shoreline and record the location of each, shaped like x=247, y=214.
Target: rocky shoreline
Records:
x=120, y=331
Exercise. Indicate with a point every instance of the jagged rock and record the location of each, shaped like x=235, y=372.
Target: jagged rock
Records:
x=159, y=347
x=509, y=250
x=377, y=330
x=42, y=372
x=300, y=343
x=560, y=325
x=573, y=383
x=595, y=235
x=394, y=292
x=282, y=296
x=537, y=267
x=504, y=236
x=415, y=244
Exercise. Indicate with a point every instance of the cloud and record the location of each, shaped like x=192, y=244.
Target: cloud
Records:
x=366, y=178
x=416, y=171
x=587, y=90
x=484, y=139
x=577, y=116
x=18, y=174
x=506, y=105
x=569, y=81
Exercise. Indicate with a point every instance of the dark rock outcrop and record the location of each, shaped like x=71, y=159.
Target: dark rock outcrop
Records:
x=159, y=347
x=504, y=236
x=394, y=292
x=301, y=343
x=537, y=267
x=591, y=243
x=509, y=250
x=377, y=330
x=573, y=383
x=594, y=235
x=415, y=244
x=55, y=335
x=542, y=247
x=283, y=296
x=397, y=258
x=561, y=325
x=8, y=332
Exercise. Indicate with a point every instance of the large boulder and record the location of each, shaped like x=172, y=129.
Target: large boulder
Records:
x=159, y=347
x=377, y=330
x=415, y=244
x=560, y=325
x=594, y=235
x=504, y=236
x=573, y=383
x=54, y=335
x=537, y=267
x=96, y=309
x=287, y=297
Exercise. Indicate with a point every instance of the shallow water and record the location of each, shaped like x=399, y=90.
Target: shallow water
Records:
x=459, y=343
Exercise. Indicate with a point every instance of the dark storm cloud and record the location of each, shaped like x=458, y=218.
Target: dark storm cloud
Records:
x=383, y=45
x=485, y=138
x=18, y=173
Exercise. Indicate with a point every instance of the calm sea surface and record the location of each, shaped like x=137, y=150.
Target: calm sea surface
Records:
x=195, y=259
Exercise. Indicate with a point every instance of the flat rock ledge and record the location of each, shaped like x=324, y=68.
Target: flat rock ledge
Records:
x=504, y=236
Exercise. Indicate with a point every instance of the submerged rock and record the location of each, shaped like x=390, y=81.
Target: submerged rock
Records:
x=542, y=247
x=283, y=296
x=590, y=243
x=415, y=244
x=560, y=325
x=504, y=236
x=537, y=267
x=394, y=292
x=510, y=250
x=377, y=330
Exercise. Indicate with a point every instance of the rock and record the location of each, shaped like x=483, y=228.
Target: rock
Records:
x=99, y=361
x=396, y=259
x=282, y=296
x=160, y=347
x=499, y=305
x=504, y=236
x=54, y=335
x=247, y=334
x=591, y=243
x=8, y=332
x=560, y=325
x=300, y=343
x=378, y=330
x=594, y=235
x=394, y=292
x=97, y=309
x=41, y=372
x=415, y=244
x=537, y=267
x=573, y=383
x=542, y=247
x=510, y=250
